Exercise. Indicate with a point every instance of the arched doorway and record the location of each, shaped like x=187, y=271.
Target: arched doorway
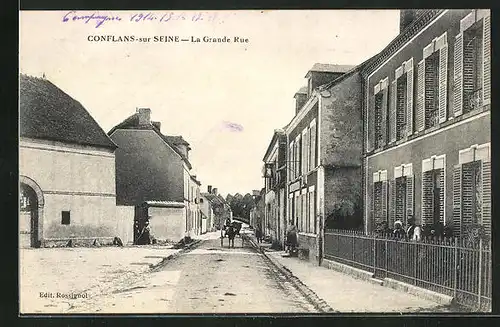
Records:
x=30, y=213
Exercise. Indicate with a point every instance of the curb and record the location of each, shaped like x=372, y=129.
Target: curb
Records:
x=164, y=261
x=315, y=300
x=388, y=282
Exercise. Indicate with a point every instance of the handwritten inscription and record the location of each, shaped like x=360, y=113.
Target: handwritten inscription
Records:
x=98, y=19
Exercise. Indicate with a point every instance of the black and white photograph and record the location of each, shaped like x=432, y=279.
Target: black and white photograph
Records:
x=255, y=161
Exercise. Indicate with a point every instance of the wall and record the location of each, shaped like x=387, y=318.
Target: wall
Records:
x=146, y=168
x=341, y=123
x=448, y=141
x=125, y=223
x=79, y=179
x=343, y=185
x=449, y=23
x=167, y=223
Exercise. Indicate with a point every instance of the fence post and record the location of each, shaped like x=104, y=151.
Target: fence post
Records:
x=415, y=262
x=352, y=253
x=386, y=256
x=480, y=273
x=455, y=269
x=374, y=255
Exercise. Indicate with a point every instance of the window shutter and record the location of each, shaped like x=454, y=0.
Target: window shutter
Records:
x=458, y=93
x=370, y=112
x=313, y=146
x=384, y=115
x=409, y=103
x=457, y=200
x=486, y=209
x=384, y=201
x=392, y=112
x=420, y=110
x=410, y=198
x=392, y=199
x=487, y=60
x=443, y=82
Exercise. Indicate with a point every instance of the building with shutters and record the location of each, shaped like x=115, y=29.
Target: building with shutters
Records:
x=324, y=157
x=427, y=129
x=66, y=170
x=275, y=170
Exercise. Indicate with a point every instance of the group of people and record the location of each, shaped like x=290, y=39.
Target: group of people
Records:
x=415, y=232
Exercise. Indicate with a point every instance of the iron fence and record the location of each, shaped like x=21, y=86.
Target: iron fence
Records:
x=449, y=266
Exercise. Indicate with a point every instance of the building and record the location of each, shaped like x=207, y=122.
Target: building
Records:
x=207, y=213
x=66, y=168
x=155, y=168
x=427, y=120
x=275, y=171
x=325, y=155
x=221, y=209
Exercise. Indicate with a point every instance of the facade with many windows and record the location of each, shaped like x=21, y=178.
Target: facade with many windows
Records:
x=427, y=124
x=275, y=171
x=325, y=154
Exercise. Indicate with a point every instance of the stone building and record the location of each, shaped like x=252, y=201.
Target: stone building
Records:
x=427, y=101
x=275, y=171
x=66, y=169
x=153, y=167
x=325, y=155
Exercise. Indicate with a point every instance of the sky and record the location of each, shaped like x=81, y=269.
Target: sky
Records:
x=225, y=99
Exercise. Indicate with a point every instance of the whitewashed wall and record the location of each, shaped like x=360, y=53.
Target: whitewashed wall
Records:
x=79, y=179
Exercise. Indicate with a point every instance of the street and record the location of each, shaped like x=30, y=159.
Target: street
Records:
x=209, y=279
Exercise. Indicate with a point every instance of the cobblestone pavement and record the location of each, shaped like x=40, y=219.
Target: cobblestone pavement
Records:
x=208, y=279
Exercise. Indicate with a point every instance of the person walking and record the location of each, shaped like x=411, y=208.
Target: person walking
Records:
x=258, y=233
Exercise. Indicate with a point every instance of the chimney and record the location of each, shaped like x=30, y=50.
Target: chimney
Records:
x=157, y=124
x=209, y=189
x=300, y=100
x=406, y=17
x=144, y=116
x=214, y=191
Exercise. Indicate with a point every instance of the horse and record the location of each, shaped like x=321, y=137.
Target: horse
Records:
x=231, y=234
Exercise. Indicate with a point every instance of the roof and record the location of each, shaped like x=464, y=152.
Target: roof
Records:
x=302, y=90
x=329, y=68
x=132, y=122
x=47, y=112
x=276, y=134
x=420, y=22
x=355, y=69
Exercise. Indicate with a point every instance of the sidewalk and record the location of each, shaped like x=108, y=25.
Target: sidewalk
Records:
x=344, y=293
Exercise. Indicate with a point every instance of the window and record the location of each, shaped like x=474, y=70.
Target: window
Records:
x=472, y=189
x=304, y=219
x=472, y=58
x=65, y=217
x=290, y=160
x=401, y=111
x=431, y=109
x=433, y=190
x=380, y=114
x=304, y=151
x=401, y=194
x=311, y=200
x=298, y=156
x=431, y=96
x=312, y=147
x=379, y=198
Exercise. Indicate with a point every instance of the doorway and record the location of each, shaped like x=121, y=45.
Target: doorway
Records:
x=28, y=217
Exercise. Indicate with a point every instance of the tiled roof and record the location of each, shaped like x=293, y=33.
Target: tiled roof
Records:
x=423, y=18
x=46, y=112
x=330, y=68
x=132, y=122
x=302, y=90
